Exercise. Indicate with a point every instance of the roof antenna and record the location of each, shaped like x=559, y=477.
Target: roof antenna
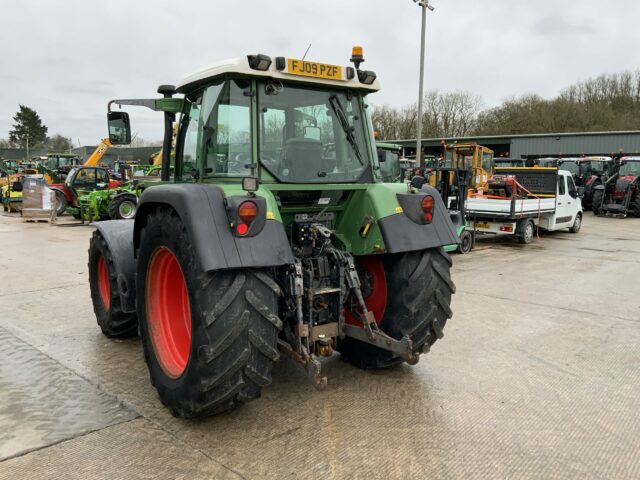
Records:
x=307, y=51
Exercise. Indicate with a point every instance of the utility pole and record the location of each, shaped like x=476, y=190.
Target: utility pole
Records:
x=423, y=4
x=28, y=157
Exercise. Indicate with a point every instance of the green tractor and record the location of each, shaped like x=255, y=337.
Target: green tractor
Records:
x=120, y=203
x=266, y=242
x=56, y=166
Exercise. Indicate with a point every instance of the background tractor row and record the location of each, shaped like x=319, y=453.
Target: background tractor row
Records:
x=620, y=192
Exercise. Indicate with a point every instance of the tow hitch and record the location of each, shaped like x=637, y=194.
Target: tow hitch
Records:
x=322, y=283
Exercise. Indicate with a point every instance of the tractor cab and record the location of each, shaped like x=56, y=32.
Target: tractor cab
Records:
x=56, y=166
x=593, y=167
x=629, y=168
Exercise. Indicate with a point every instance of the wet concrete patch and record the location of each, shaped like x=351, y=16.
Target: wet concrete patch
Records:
x=42, y=402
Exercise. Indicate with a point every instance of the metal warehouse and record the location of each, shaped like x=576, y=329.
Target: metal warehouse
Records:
x=540, y=145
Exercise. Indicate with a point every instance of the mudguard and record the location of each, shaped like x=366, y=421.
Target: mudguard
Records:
x=201, y=208
x=401, y=234
x=118, y=234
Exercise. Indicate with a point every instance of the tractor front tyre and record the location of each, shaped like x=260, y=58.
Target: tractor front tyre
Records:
x=418, y=298
x=107, y=304
x=596, y=201
x=577, y=224
x=123, y=207
x=60, y=203
x=466, y=242
x=209, y=338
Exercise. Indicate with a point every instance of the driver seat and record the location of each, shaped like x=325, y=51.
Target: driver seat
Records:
x=303, y=158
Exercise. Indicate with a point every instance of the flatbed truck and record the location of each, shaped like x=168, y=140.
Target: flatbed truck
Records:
x=521, y=200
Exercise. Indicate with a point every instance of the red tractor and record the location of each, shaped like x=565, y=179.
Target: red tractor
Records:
x=620, y=194
x=82, y=179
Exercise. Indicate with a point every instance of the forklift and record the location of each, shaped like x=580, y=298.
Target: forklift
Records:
x=453, y=185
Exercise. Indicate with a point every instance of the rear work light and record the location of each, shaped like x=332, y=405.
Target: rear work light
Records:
x=427, y=207
x=247, y=213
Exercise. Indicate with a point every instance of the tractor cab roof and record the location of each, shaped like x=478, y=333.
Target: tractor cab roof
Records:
x=593, y=158
x=633, y=158
x=283, y=69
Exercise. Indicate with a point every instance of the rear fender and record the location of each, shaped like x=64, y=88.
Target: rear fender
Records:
x=118, y=235
x=201, y=207
x=402, y=234
x=64, y=190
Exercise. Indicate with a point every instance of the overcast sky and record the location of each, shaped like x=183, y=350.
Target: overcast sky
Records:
x=67, y=58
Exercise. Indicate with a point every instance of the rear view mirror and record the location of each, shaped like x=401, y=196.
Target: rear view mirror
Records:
x=119, y=128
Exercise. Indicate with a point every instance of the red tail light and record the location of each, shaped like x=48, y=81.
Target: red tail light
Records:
x=247, y=213
x=427, y=207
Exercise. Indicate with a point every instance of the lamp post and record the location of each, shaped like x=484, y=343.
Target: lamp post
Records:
x=423, y=4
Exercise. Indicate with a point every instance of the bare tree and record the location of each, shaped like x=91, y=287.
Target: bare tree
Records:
x=445, y=114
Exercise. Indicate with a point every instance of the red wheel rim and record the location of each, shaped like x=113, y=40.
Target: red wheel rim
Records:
x=104, y=283
x=375, y=284
x=168, y=312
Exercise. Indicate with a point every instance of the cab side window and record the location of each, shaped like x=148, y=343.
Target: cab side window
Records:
x=101, y=176
x=573, y=191
x=562, y=189
x=226, y=134
x=85, y=177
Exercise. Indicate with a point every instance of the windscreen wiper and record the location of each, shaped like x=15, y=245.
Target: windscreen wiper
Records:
x=336, y=106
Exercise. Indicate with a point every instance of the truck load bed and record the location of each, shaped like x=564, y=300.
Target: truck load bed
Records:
x=510, y=207
x=537, y=188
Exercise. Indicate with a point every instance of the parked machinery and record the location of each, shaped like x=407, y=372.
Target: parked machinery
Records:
x=587, y=172
x=473, y=157
x=78, y=183
x=620, y=193
x=264, y=244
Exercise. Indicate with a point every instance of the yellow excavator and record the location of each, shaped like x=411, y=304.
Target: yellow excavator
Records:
x=473, y=157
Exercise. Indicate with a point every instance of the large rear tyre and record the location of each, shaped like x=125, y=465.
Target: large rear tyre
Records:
x=123, y=207
x=61, y=203
x=635, y=203
x=596, y=201
x=209, y=338
x=418, y=298
x=107, y=305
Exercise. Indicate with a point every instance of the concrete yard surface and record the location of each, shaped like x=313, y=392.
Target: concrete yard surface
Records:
x=537, y=377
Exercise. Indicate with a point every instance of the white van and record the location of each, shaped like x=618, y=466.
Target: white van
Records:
x=553, y=202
